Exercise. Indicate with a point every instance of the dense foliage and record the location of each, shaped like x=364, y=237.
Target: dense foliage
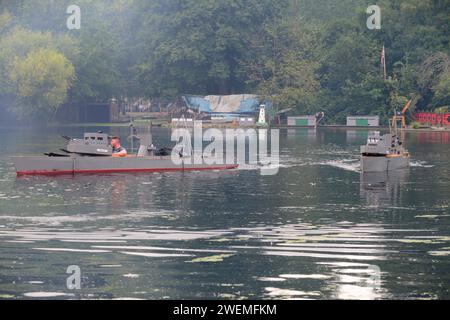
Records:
x=310, y=55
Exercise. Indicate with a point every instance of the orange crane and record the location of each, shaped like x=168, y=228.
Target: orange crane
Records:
x=402, y=116
x=408, y=104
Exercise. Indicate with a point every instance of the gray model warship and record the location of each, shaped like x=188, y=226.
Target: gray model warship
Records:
x=93, y=154
x=384, y=152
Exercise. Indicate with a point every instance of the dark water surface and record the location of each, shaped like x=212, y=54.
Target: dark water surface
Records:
x=316, y=230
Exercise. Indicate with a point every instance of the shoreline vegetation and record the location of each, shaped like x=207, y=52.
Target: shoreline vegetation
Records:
x=206, y=125
x=307, y=55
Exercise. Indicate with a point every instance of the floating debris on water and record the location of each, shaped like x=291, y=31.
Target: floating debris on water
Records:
x=215, y=258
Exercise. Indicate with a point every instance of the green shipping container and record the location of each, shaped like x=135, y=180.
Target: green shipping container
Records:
x=301, y=122
x=362, y=122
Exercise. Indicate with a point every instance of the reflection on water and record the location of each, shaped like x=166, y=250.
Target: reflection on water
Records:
x=383, y=188
x=309, y=133
x=318, y=230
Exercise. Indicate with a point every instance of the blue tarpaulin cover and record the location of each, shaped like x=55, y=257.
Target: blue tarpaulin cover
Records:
x=242, y=103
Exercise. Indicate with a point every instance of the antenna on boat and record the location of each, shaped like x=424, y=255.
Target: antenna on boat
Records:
x=187, y=149
x=133, y=135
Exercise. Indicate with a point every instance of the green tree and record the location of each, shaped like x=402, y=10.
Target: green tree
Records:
x=19, y=42
x=5, y=20
x=42, y=81
x=442, y=91
x=285, y=67
x=198, y=46
x=305, y=54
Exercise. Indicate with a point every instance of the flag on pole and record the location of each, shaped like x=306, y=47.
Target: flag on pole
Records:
x=383, y=62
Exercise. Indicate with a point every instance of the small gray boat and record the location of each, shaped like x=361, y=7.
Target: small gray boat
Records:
x=384, y=152
x=93, y=155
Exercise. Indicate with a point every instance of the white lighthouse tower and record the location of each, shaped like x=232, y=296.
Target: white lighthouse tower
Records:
x=262, y=116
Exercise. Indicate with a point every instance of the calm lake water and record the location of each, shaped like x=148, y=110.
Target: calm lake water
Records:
x=316, y=230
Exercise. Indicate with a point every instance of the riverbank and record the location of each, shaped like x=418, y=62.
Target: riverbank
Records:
x=207, y=125
x=230, y=126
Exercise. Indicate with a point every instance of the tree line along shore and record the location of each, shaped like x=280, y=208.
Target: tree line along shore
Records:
x=302, y=54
